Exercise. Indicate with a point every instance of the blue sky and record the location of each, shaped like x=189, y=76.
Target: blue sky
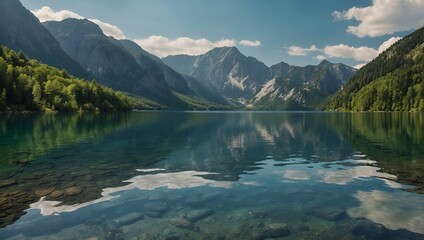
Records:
x=299, y=32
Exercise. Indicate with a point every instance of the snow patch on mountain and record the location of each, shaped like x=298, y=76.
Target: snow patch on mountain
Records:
x=288, y=95
x=266, y=89
x=235, y=80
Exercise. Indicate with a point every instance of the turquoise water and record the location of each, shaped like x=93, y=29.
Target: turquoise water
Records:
x=212, y=175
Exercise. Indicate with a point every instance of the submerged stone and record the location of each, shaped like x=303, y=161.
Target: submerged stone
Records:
x=303, y=228
x=70, y=184
x=195, y=216
x=276, y=226
x=258, y=213
x=146, y=236
x=43, y=192
x=113, y=231
x=277, y=230
x=171, y=238
x=367, y=227
x=153, y=214
x=72, y=191
x=93, y=238
x=155, y=206
x=273, y=230
x=56, y=194
x=129, y=219
x=7, y=182
x=181, y=223
x=328, y=213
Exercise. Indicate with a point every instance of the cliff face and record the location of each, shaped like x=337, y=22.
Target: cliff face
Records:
x=248, y=81
x=21, y=31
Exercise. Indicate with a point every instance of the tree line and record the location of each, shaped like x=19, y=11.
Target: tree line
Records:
x=28, y=85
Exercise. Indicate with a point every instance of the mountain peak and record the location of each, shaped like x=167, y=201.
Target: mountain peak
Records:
x=81, y=26
x=325, y=62
x=226, y=50
x=230, y=48
x=282, y=63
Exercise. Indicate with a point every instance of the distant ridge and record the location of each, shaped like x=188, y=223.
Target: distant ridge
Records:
x=125, y=66
x=254, y=85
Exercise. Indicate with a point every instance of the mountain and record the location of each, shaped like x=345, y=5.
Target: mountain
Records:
x=296, y=88
x=257, y=86
x=21, y=31
x=182, y=83
x=181, y=63
x=123, y=65
x=394, y=81
x=112, y=65
x=234, y=75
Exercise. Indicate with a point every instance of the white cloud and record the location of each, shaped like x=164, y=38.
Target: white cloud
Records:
x=362, y=54
x=248, y=43
x=299, y=51
x=320, y=57
x=109, y=29
x=385, y=45
x=47, y=14
x=163, y=46
x=384, y=17
x=359, y=66
x=356, y=53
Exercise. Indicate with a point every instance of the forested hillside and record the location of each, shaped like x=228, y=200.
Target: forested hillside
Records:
x=26, y=84
x=394, y=81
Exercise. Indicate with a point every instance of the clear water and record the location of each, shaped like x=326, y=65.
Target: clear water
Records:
x=212, y=175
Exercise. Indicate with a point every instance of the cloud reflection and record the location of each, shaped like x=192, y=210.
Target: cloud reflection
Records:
x=296, y=175
x=174, y=180
x=345, y=176
x=337, y=174
x=400, y=210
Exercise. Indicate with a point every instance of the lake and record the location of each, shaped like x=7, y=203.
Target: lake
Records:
x=212, y=175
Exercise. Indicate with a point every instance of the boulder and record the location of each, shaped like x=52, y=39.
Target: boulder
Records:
x=198, y=215
x=72, y=191
x=129, y=219
x=367, y=227
x=181, y=223
x=328, y=213
x=273, y=230
x=155, y=206
x=7, y=182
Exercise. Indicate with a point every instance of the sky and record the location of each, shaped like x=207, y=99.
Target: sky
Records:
x=298, y=32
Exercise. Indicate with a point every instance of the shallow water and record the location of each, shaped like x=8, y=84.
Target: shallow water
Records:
x=212, y=175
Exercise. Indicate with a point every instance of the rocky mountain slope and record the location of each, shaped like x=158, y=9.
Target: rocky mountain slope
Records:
x=123, y=65
x=234, y=75
x=249, y=81
x=21, y=31
x=301, y=88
